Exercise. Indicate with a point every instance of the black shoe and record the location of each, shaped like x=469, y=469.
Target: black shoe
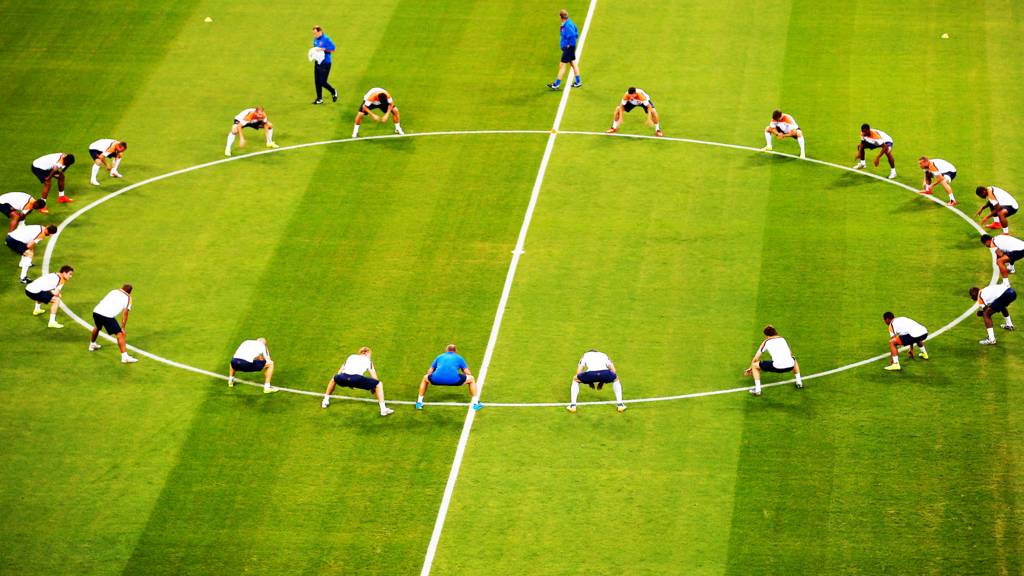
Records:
x=577, y=84
x=334, y=97
x=25, y=280
x=318, y=101
x=554, y=86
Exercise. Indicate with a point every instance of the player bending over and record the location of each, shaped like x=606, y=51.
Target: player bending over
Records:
x=872, y=139
x=595, y=368
x=904, y=332
x=783, y=126
x=252, y=356
x=101, y=152
x=255, y=118
x=352, y=375
x=449, y=369
x=636, y=98
x=23, y=241
x=938, y=171
x=782, y=359
x=51, y=166
x=17, y=205
x=1001, y=206
x=377, y=99
x=46, y=290
x=1008, y=250
x=104, y=315
x=992, y=299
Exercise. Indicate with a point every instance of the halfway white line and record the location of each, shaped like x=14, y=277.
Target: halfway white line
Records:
x=460, y=450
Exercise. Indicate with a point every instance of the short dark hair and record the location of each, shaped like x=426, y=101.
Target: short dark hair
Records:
x=69, y=160
x=40, y=203
x=65, y=269
x=776, y=114
x=864, y=127
x=985, y=239
x=127, y=288
x=382, y=98
x=888, y=316
x=318, y=29
x=974, y=291
x=563, y=13
x=981, y=191
x=125, y=144
x=770, y=330
x=52, y=228
x=631, y=90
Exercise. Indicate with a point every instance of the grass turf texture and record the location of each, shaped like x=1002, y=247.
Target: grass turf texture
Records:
x=403, y=245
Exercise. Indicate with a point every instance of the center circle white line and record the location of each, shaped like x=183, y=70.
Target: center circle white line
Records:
x=51, y=246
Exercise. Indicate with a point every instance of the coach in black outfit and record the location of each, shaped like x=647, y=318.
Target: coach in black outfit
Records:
x=321, y=70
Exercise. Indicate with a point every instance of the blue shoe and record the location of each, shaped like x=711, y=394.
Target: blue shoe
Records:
x=419, y=405
x=477, y=406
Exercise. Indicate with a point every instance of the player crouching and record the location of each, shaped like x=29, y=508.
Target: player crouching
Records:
x=1001, y=206
x=782, y=360
x=871, y=139
x=252, y=356
x=904, y=332
x=104, y=315
x=636, y=98
x=377, y=99
x=255, y=118
x=46, y=290
x=17, y=205
x=352, y=375
x=23, y=241
x=101, y=152
x=783, y=126
x=1008, y=250
x=992, y=299
x=595, y=368
x=937, y=171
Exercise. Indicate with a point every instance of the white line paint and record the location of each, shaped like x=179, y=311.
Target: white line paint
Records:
x=460, y=450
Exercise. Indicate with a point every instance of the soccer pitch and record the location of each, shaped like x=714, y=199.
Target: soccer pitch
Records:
x=507, y=221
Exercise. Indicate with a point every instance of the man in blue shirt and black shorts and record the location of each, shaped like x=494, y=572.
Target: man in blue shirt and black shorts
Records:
x=569, y=35
x=449, y=369
x=321, y=70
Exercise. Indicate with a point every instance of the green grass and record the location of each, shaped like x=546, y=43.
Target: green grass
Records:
x=670, y=256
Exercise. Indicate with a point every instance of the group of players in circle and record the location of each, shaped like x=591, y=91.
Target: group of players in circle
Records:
x=450, y=369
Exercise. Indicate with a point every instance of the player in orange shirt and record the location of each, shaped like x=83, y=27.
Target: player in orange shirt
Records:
x=255, y=118
x=636, y=98
x=377, y=99
x=783, y=126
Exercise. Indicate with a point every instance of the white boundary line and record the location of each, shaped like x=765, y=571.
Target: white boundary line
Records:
x=51, y=245
x=460, y=450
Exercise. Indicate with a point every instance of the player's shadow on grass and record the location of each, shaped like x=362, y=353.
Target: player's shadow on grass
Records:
x=849, y=179
x=762, y=159
x=396, y=144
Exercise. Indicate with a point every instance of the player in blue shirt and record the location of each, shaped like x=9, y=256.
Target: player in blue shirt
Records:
x=449, y=369
x=321, y=70
x=569, y=36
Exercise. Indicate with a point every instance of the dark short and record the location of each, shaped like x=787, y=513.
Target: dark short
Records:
x=257, y=125
x=241, y=365
x=1015, y=256
x=6, y=209
x=365, y=108
x=597, y=377
x=461, y=380
x=107, y=323
x=43, y=297
x=1010, y=211
x=907, y=339
x=769, y=366
x=42, y=175
x=950, y=175
x=1003, y=302
x=17, y=246
x=94, y=154
x=356, y=381
x=873, y=146
x=568, y=54
x=629, y=106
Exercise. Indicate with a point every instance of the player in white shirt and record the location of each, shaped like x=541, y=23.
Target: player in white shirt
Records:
x=101, y=152
x=782, y=359
x=595, y=368
x=992, y=299
x=377, y=99
x=104, y=315
x=1001, y=206
x=23, y=240
x=783, y=126
x=252, y=356
x=636, y=98
x=47, y=290
x=17, y=205
x=255, y=118
x=1007, y=249
x=874, y=139
x=352, y=375
x=904, y=332
x=51, y=166
x=938, y=171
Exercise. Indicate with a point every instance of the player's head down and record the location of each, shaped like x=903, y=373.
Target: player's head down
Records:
x=770, y=330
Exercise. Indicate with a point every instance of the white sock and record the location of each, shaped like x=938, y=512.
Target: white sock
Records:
x=419, y=398
x=895, y=359
x=327, y=399
x=615, y=124
x=383, y=407
x=95, y=171
x=768, y=139
x=60, y=193
x=398, y=128
x=231, y=141
x=951, y=198
x=799, y=380
x=991, y=334
x=117, y=162
x=1008, y=321
x=270, y=135
x=25, y=263
x=37, y=308
x=757, y=385
x=658, y=127
x=53, y=318
x=800, y=141
x=618, y=391
x=355, y=130
x=1006, y=230
x=124, y=355
x=574, y=392
x=923, y=351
